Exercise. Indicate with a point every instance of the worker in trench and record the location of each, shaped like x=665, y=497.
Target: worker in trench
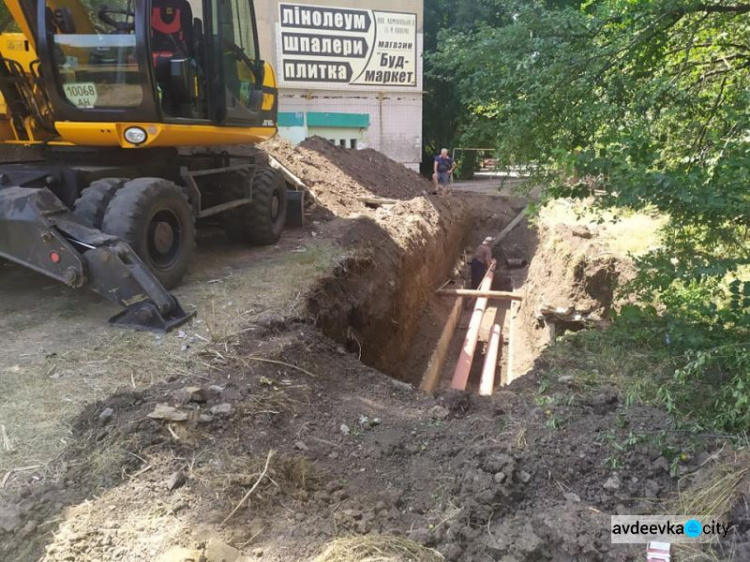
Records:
x=481, y=262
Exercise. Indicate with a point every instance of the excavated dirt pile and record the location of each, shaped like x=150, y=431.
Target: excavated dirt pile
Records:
x=570, y=286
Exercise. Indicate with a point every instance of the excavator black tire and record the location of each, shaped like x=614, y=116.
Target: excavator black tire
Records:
x=154, y=216
x=94, y=200
x=262, y=222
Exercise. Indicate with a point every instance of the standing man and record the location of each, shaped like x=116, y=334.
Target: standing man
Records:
x=481, y=262
x=444, y=166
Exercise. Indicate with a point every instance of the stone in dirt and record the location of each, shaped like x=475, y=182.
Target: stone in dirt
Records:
x=221, y=409
x=301, y=446
x=345, y=429
x=106, y=416
x=570, y=496
x=217, y=551
x=612, y=483
x=177, y=480
x=439, y=413
x=168, y=413
x=524, y=476
x=190, y=394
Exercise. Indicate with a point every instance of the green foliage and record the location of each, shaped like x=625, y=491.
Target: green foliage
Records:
x=636, y=104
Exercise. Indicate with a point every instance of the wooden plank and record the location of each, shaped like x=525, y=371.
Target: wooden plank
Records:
x=291, y=178
x=508, y=229
x=512, y=341
x=492, y=295
x=431, y=377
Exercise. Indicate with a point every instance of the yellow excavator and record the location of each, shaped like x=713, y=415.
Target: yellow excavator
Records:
x=125, y=109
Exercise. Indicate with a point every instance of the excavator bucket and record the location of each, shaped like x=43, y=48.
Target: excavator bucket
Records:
x=39, y=232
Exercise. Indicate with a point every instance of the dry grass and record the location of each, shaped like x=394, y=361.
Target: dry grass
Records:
x=377, y=548
x=714, y=496
x=58, y=358
x=716, y=493
x=624, y=233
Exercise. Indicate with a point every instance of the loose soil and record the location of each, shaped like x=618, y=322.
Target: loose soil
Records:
x=533, y=473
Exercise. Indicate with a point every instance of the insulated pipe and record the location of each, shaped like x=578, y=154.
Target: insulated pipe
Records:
x=487, y=386
x=463, y=366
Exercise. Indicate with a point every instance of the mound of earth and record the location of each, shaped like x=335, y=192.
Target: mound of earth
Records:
x=570, y=285
x=340, y=178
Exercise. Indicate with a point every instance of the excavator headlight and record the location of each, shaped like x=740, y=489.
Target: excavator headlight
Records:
x=135, y=135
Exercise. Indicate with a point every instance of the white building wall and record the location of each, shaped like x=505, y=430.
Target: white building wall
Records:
x=395, y=113
x=395, y=119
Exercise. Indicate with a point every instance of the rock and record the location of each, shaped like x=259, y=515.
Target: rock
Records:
x=499, y=478
x=566, y=379
x=190, y=394
x=345, y=429
x=205, y=418
x=496, y=463
x=217, y=551
x=168, y=413
x=582, y=232
x=10, y=518
x=301, y=446
x=106, y=416
x=221, y=409
x=269, y=320
x=571, y=497
x=258, y=552
x=177, y=480
x=179, y=554
x=216, y=390
x=524, y=476
x=340, y=350
x=439, y=413
x=612, y=483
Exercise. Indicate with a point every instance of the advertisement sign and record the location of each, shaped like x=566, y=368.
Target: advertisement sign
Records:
x=320, y=45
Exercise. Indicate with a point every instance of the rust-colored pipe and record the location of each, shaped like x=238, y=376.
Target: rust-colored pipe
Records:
x=463, y=367
x=487, y=386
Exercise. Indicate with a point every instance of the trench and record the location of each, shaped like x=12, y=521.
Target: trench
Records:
x=381, y=303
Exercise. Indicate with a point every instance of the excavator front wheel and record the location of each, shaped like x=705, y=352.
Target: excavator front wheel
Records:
x=154, y=216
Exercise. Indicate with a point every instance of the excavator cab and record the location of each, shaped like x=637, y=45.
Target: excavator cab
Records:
x=159, y=61
x=117, y=95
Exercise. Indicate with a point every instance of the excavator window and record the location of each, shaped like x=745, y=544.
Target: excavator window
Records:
x=243, y=73
x=94, y=53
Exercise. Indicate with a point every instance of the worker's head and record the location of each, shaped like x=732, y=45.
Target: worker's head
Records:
x=444, y=152
x=487, y=240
